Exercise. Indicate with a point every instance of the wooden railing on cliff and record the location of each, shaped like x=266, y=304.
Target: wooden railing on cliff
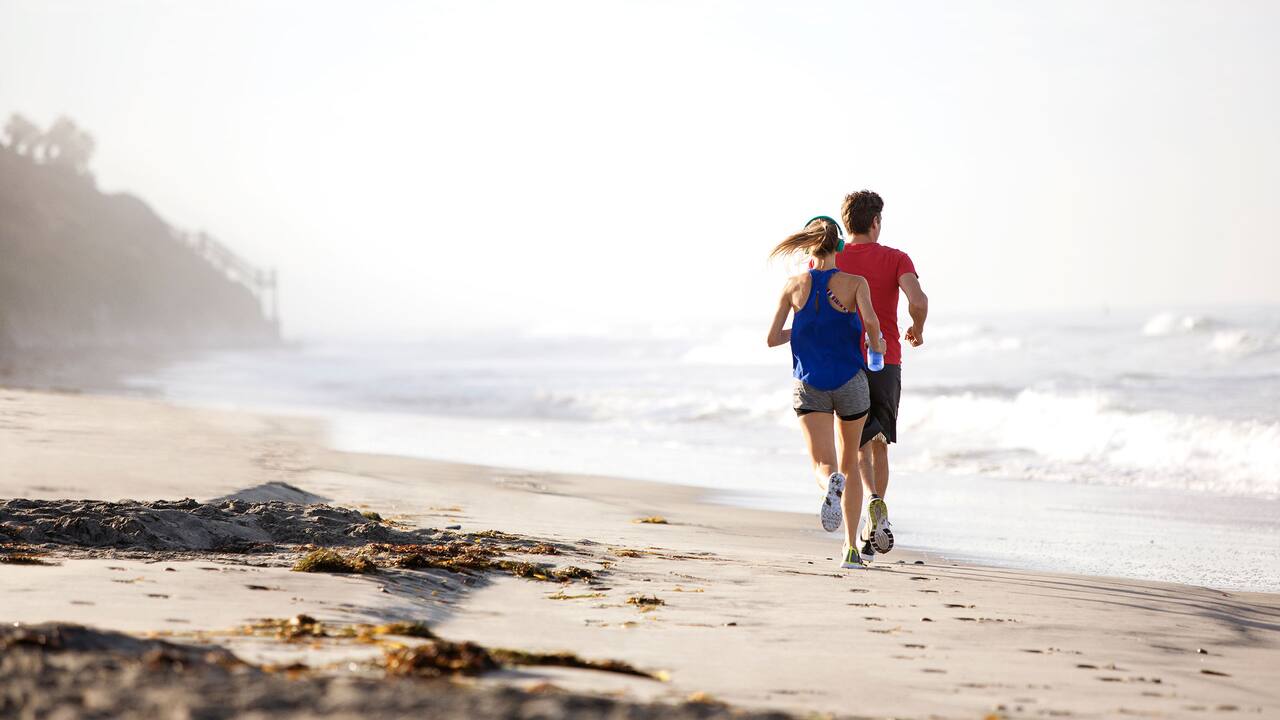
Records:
x=261, y=282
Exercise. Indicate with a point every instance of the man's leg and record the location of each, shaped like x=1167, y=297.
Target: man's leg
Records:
x=879, y=457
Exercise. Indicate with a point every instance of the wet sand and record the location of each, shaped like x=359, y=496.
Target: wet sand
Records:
x=716, y=604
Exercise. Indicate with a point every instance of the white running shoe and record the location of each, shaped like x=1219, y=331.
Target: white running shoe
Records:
x=831, y=512
x=876, y=530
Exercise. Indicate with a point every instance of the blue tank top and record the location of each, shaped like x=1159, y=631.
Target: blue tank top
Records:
x=826, y=344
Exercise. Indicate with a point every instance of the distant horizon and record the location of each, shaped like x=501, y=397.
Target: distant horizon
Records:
x=491, y=165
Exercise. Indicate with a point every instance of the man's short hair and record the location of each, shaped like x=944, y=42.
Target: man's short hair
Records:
x=860, y=209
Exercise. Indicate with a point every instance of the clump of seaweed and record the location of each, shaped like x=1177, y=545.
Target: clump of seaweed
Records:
x=290, y=629
x=572, y=572
x=646, y=602
x=626, y=552
x=371, y=515
x=329, y=561
x=438, y=658
x=652, y=520
x=560, y=595
x=404, y=629
x=535, y=549
x=496, y=535
x=21, y=554
x=462, y=556
x=564, y=659
x=454, y=555
x=22, y=559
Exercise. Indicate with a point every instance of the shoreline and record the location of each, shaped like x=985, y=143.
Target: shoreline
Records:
x=753, y=588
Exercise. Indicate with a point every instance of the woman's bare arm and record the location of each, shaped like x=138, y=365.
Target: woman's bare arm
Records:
x=778, y=336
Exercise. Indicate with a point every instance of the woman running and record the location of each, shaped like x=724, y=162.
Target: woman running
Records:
x=832, y=309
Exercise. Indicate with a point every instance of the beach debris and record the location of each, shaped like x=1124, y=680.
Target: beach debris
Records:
x=564, y=659
x=23, y=559
x=925, y=619
x=329, y=561
x=542, y=548
x=438, y=658
x=462, y=556
x=572, y=572
x=1202, y=651
x=371, y=515
x=1206, y=671
x=704, y=698
x=456, y=555
x=443, y=657
x=646, y=602
x=559, y=595
x=403, y=629
x=452, y=527
x=651, y=520
x=289, y=629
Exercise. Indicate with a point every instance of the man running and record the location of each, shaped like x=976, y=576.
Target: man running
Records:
x=886, y=270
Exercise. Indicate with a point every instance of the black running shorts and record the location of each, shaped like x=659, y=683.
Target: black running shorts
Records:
x=886, y=390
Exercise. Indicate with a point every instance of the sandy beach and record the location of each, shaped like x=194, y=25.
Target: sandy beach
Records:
x=715, y=609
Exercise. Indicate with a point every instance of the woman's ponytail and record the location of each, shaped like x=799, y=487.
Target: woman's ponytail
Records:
x=819, y=237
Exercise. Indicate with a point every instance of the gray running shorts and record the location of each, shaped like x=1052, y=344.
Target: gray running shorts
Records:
x=850, y=401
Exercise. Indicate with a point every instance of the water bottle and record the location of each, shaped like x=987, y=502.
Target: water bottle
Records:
x=875, y=360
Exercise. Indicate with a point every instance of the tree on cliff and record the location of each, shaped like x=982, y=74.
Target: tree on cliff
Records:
x=67, y=145
x=22, y=134
x=63, y=145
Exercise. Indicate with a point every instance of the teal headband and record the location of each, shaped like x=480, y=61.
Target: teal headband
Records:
x=839, y=231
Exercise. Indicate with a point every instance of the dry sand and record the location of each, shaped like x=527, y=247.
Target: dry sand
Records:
x=754, y=610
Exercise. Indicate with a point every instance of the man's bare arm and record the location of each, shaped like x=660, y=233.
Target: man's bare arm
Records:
x=917, y=306
x=870, y=321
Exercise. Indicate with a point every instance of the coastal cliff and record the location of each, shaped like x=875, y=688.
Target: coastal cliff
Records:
x=81, y=269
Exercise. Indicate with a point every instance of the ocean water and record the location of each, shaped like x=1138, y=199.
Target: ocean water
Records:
x=1141, y=445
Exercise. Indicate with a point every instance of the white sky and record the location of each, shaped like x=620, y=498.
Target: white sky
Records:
x=417, y=166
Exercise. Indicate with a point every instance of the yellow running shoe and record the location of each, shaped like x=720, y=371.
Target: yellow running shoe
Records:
x=852, y=559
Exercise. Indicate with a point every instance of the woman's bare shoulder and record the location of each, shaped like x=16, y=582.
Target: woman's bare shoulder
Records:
x=850, y=279
x=797, y=281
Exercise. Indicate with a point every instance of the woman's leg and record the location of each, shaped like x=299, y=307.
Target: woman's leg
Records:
x=821, y=439
x=851, y=503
